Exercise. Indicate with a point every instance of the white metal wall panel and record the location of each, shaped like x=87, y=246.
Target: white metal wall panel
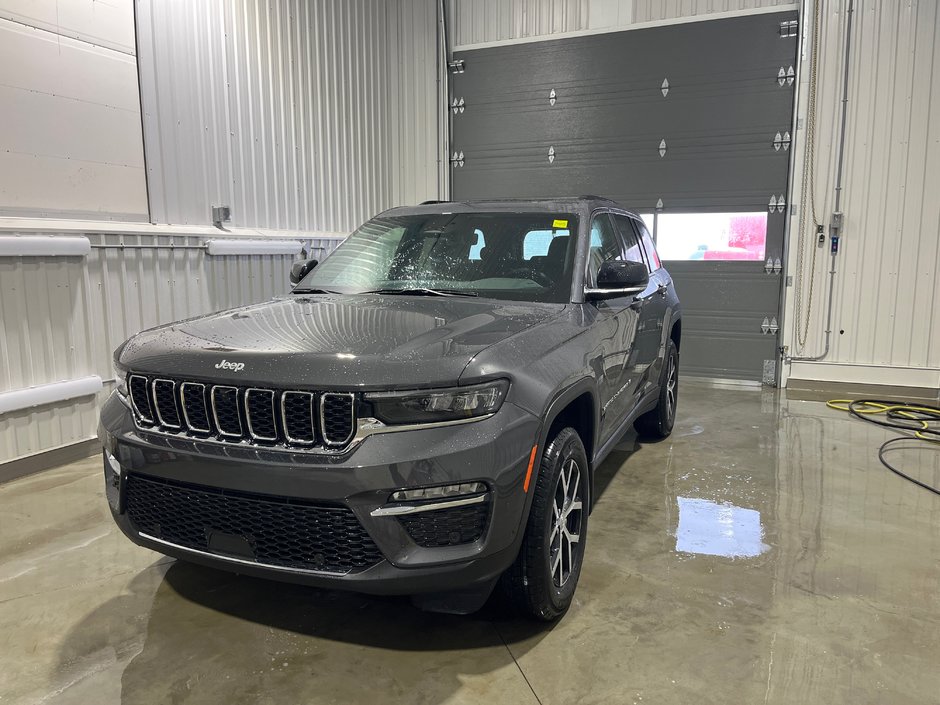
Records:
x=475, y=22
x=62, y=317
x=299, y=115
x=105, y=24
x=70, y=133
x=655, y=10
x=886, y=323
x=414, y=108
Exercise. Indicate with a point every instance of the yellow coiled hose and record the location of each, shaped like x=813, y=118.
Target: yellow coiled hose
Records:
x=919, y=421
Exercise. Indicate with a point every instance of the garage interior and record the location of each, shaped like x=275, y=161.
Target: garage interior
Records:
x=161, y=159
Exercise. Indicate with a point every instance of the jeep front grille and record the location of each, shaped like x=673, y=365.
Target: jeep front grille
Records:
x=268, y=417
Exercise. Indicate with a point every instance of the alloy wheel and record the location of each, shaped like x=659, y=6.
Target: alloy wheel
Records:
x=567, y=514
x=672, y=380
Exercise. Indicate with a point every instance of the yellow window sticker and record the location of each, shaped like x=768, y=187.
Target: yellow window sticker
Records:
x=560, y=224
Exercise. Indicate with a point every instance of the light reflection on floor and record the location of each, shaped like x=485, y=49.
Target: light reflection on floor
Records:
x=714, y=529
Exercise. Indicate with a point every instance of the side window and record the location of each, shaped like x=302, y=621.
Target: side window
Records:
x=651, y=255
x=605, y=245
x=632, y=245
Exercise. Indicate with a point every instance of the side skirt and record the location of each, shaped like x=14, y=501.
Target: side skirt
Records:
x=649, y=402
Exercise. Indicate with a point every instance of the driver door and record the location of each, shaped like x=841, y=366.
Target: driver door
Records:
x=616, y=321
x=650, y=305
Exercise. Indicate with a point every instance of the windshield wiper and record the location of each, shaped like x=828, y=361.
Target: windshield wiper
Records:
x=422, y=291
x=313, y=291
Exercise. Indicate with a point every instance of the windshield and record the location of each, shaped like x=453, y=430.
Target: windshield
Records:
x=515, y=256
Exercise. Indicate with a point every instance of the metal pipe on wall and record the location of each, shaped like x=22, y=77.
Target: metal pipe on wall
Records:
x=443, y=100
x=791, y=180
x=835, y=227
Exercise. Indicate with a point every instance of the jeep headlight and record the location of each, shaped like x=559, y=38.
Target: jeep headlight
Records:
x=120, y=378
x=437, y=405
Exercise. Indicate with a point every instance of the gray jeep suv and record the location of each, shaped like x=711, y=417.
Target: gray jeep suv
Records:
x=421, y=415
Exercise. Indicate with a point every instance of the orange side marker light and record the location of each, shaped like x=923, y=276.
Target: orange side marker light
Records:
x=528, y=472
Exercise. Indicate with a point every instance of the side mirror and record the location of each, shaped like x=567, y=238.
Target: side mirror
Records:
x=300, y=269
x=616, y=279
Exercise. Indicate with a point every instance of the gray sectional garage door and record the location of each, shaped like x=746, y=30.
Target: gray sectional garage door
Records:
x=689, y=124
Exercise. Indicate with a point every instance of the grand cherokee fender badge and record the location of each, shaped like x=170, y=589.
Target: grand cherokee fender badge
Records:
x=233, y=366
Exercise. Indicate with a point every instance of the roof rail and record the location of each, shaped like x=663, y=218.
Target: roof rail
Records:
x=431, y=203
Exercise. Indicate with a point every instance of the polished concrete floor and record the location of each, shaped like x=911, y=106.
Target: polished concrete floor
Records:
x=760, y=555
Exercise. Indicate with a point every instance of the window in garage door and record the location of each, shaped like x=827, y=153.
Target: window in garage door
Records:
x=712, y=236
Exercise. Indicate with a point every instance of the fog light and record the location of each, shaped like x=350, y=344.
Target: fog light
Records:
x=438, y=492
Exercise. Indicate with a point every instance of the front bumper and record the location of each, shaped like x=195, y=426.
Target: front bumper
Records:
x=494, y=451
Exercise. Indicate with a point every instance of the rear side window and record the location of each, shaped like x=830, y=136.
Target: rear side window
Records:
x=651, y=255
x=631, y=244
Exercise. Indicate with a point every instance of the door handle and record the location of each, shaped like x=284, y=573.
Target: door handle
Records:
x=662, y=289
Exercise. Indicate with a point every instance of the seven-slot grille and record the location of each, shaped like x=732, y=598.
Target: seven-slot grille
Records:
x=263, y=416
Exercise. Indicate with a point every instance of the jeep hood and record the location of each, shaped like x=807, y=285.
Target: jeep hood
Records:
x=334, y=341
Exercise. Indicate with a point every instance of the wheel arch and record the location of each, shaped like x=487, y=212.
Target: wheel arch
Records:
x=675, y=332
x=575, y=406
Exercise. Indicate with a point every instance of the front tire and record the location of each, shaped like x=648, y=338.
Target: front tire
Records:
x=658, y=423
x=542, y=581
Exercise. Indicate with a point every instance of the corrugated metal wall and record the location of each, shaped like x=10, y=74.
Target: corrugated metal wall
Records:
x=70, y=134
x=886, y=298
x=476, y=22
x=308, y=116
x=61, y=317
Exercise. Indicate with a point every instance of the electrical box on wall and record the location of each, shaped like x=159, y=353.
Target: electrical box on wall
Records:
x=221, y=214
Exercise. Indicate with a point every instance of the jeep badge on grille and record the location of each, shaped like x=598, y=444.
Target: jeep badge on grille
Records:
x=233, y=366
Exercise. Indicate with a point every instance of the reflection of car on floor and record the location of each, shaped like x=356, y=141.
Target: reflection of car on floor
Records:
x=421, y=415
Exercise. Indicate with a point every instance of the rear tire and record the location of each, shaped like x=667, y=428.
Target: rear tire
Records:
x=542, y=581
x=658, y=423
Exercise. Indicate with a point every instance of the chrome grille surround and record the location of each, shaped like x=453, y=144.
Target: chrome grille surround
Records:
x=140, y=395
x=160, y=388
x=199, y=409
x=226, y=429
x=259, y=416
x=290, y=398
x=332, y=430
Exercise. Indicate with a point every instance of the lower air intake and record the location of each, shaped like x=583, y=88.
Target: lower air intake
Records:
x=447, y=527
x=271, y=531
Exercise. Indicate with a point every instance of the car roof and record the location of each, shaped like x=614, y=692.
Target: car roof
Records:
x=578, y=204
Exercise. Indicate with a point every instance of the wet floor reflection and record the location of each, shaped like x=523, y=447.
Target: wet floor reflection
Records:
x=207, y=636
x=718, y=529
